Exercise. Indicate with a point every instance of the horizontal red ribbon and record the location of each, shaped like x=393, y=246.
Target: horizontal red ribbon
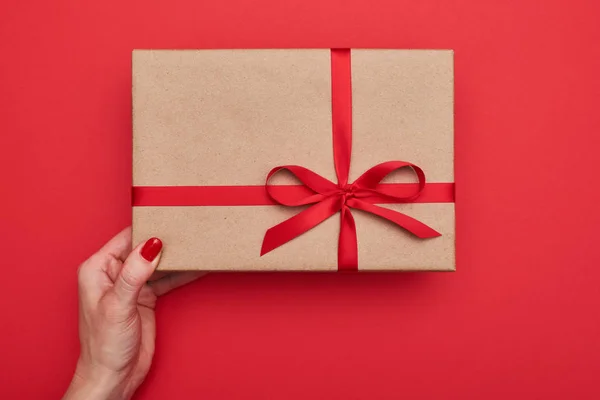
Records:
x=144, y=196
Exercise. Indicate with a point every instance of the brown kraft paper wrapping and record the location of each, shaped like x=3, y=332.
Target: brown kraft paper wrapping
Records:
x=227, y=117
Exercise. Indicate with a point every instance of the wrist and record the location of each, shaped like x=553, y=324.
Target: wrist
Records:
x=95, y=383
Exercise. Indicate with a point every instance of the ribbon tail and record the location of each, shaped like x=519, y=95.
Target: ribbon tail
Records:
x=347, y=246
x=300, y=223
x=410, y=224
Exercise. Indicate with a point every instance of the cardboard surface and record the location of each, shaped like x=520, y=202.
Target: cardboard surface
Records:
x=226, y=117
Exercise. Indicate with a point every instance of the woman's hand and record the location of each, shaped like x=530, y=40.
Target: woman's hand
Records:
x=116, y=317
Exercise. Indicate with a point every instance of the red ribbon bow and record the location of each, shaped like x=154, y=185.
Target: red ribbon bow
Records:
x=328, y=197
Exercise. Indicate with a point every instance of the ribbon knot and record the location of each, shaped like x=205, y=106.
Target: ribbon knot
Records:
x=348, y=192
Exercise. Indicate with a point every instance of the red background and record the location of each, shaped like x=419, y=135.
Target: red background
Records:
x=519, y=319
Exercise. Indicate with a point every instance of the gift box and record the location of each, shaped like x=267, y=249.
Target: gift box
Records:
x=295, y=160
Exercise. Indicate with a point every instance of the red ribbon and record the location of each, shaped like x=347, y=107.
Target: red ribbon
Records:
x=329, y=198
x=256, y=195
x=326, y=197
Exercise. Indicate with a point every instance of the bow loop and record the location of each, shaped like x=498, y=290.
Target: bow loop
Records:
x=370, y=181
x=320, y=187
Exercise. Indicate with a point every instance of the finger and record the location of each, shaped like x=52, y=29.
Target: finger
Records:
x=113, y=268
x=137, y=269
x=173, y=281
x=119, y=246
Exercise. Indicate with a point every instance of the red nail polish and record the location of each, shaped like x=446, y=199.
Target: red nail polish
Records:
x=151, y=249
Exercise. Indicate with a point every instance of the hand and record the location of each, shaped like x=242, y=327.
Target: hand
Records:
x=116, y=317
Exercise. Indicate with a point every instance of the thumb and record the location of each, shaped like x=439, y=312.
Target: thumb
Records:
x=137, y=269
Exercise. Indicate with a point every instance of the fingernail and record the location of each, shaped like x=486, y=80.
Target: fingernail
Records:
x=151, y=249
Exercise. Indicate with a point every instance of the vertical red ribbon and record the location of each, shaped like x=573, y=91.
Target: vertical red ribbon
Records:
x=341, y=116
x=341, y=112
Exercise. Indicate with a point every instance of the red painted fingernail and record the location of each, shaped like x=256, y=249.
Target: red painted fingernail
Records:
x=151, y=249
